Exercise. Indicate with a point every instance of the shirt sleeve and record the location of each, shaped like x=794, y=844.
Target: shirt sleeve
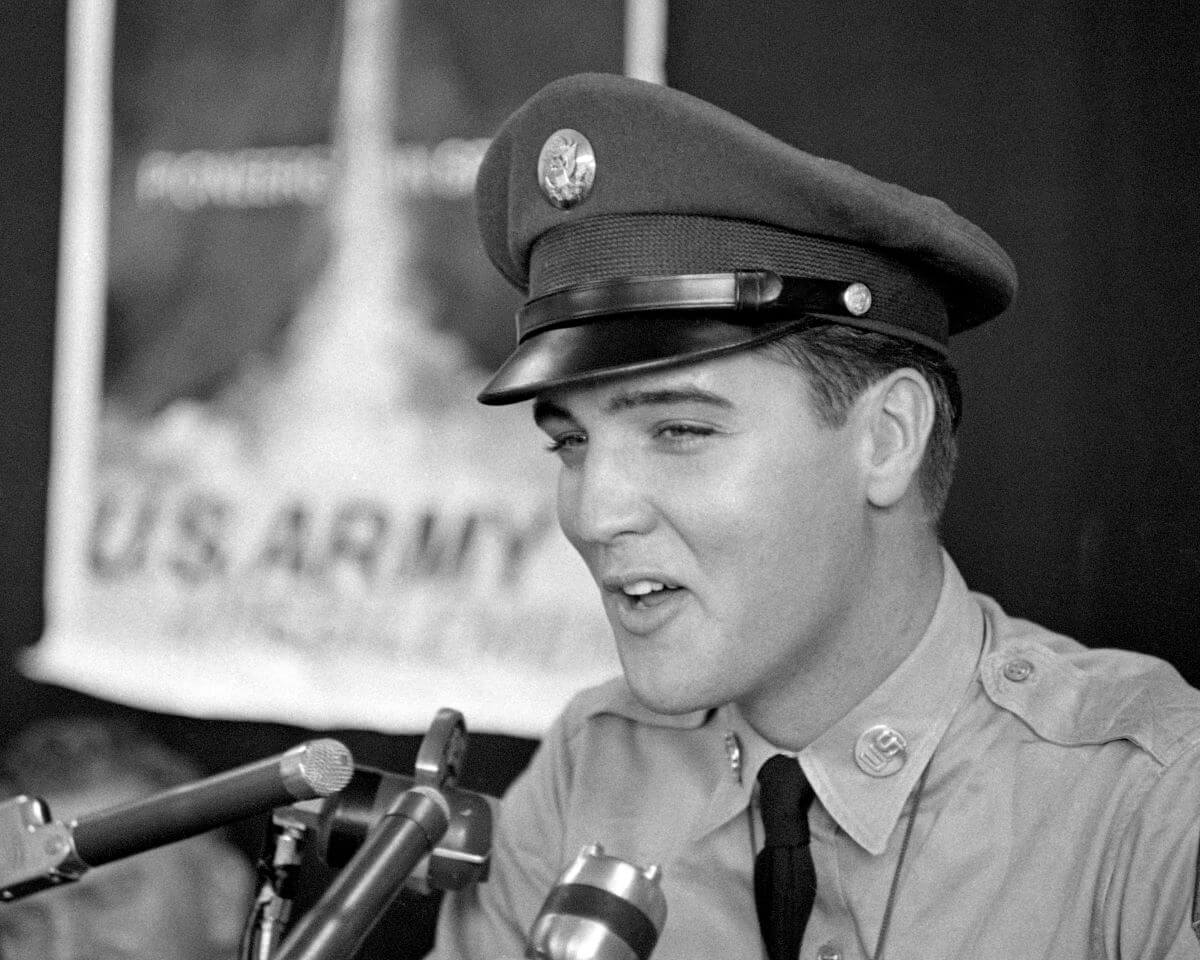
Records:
x=490, y=920
x=1152, y=895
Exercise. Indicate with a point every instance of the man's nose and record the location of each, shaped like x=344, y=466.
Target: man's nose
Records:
x=607, y=497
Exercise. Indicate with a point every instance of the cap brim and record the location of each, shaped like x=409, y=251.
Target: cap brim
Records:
x=620, y=345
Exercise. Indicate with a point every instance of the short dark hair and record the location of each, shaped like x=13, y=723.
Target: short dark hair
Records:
x=841, y=362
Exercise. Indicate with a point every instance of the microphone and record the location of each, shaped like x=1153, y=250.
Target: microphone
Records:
x=462, y=857
x=388, y=826
x=337, y=827
x=601, y=908
x=39, y=852
x=339, y=922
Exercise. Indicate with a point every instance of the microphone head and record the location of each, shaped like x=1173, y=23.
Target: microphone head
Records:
x=602, y=908
x=316, y=768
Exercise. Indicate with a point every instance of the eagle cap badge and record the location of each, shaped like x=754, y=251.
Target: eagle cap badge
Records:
x=566, y=168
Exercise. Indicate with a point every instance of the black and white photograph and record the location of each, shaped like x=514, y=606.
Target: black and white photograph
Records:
x=637, y=480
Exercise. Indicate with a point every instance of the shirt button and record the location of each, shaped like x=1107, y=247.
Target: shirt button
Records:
x=1018, y=671
x=829, y=951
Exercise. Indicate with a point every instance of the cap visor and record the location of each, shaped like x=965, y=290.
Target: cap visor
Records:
x=620, y=345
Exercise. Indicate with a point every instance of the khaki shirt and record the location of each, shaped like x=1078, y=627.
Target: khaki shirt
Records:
x=1058, y=816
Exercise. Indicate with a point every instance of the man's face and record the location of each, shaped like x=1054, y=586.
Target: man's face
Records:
x=721, y=520
x=147, y=907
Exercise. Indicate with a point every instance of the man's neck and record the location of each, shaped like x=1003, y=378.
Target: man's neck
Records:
x=895, y=604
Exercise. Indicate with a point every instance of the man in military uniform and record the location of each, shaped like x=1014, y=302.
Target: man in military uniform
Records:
x=738, y=351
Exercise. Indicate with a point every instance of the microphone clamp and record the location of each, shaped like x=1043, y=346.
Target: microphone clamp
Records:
x=36, y=852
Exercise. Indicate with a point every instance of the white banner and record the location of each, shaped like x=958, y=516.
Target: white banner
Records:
x=274, y=496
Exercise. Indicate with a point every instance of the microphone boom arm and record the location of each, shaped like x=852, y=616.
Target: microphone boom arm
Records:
x=37, y=852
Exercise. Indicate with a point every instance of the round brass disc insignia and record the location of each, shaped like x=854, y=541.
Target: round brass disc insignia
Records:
x=566, y=168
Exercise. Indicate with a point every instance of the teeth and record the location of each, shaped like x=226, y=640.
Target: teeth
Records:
x=642, y=587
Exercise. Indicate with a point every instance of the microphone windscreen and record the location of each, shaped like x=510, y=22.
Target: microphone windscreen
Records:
x=601, y=908
x=316, y=768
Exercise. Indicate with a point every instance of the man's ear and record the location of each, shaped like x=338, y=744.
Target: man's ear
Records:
x=899, y=411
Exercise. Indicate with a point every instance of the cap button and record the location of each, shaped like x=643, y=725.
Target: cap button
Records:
x=857, y=299
x=1018, y=671
x=829, y=951
x=881, y=751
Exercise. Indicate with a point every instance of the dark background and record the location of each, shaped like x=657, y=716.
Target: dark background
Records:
x=1067, y=129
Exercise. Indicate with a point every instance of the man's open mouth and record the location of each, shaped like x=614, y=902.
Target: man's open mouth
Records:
x=648, y=593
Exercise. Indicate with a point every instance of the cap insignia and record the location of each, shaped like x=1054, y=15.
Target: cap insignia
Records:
x=566, y=168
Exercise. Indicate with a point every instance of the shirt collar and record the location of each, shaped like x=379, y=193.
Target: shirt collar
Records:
x=917, y=701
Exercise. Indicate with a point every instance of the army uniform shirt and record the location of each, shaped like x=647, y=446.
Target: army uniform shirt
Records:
x=1047, y=798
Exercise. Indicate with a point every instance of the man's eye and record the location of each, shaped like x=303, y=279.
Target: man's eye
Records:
x=566, y=441
x=684, y=431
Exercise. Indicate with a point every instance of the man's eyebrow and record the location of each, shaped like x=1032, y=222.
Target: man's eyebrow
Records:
x=544, y=410
x=665, y=397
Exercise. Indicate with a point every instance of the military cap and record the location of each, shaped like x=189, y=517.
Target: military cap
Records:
x=648, y=228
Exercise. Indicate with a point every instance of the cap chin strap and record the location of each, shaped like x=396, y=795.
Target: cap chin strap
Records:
x=745, y=292
x=745, y=297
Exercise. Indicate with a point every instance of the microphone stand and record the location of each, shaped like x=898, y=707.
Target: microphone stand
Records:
x=277, y=869
x=409, y=829
x=338, y=923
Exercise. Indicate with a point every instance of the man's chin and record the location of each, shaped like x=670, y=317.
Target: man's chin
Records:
x=664, y=700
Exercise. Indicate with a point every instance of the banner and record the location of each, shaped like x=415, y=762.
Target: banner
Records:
x=274, y=496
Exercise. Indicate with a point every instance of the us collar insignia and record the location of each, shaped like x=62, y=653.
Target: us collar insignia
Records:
x=566, y=168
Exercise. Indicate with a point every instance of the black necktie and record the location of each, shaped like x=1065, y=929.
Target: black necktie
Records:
x=785, y=882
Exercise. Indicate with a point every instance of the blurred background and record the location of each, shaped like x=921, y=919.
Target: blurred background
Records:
x=1067, y=129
